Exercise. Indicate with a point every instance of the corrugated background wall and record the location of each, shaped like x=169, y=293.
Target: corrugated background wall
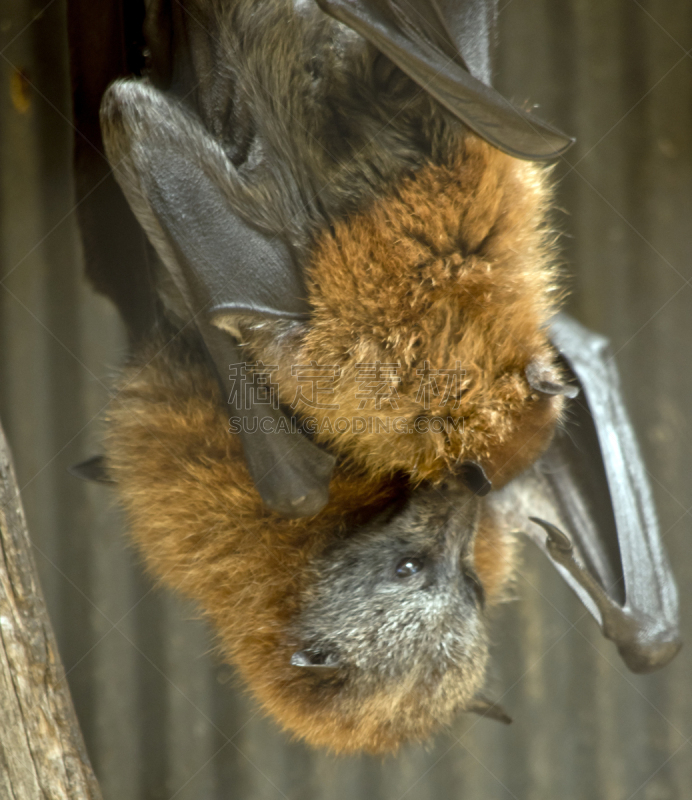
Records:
x=161, y=716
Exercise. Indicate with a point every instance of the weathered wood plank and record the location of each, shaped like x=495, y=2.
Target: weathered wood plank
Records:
x=42, y=753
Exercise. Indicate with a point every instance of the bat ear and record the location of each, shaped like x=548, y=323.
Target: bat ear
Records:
x=487, y=708
x=94, y=469
x=315, y=663
x=415, y=36
x=473, y=475
x=542, y=379
x=186, y=195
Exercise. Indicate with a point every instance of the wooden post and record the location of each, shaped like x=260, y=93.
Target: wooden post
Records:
x=42, y=753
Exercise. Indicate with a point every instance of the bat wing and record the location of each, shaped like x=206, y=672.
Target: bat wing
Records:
x=185, y=194
x=415, y=35
x=590, y=494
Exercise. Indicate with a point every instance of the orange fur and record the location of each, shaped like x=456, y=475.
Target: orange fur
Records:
x=452, y=265
x=200, y=524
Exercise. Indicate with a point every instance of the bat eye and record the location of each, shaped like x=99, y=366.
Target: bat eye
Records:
x=408, y=566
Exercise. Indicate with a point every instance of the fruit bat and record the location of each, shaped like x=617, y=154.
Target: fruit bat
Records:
x=350, y=387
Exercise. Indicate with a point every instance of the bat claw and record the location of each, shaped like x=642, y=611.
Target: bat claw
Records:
x=94, y=469
x=488, y=708
x=309, y=663
x=557, y=540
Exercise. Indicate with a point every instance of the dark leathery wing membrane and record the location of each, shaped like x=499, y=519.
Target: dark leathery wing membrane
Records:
x=590, y=494
x=177, y=181
x=415, y=37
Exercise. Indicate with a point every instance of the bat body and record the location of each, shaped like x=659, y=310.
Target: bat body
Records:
x=347, y=194
x=333, y=641
x=334, y=200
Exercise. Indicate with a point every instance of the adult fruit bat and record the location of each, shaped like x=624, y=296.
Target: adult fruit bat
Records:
x=345, y=226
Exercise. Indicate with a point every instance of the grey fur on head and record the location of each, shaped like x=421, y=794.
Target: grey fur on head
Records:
x=395, y=608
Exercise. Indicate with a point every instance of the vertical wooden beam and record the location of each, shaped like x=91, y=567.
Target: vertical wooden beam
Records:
x=42, y=753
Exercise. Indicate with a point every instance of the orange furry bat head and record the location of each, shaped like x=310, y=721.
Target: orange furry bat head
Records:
x=363, y=626
x=447, y=284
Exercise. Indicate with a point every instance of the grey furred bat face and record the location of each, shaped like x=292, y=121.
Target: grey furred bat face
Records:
x=394, y=613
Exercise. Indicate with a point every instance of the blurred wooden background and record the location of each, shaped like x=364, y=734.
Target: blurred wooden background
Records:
x=162, y=717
